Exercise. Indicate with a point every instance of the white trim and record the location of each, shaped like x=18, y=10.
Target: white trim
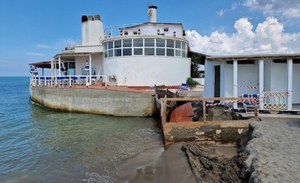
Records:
x=261, y=80
x=290, y=83
x=235, y=81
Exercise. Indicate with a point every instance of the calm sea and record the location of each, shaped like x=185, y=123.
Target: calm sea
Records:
x=42, y=145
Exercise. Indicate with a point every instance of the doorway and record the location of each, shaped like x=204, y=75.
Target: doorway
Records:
x=217, y=83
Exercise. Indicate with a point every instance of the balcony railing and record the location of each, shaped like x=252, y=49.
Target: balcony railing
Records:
x=69, y=80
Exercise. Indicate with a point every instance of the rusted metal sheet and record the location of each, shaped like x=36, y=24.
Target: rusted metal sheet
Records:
x=183, y=113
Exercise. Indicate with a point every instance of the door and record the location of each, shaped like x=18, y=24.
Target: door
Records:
x=217, y=82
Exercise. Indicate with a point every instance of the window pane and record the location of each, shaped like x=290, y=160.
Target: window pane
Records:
x=106, y=54
x=149, y=42
x=160, y=43
x=138, y=51
x=178, y=44
x=170, y=43
x=183, y=54
x=138, y=42
x=118, y=44
x=170, y=52
x=127, y=42
x=160, y=51
x=127, y=52
x=110, y=44
x=183, y=45
x=110, y=53
x=105, y=45
x=149, y=51
x=178, y=53
x=117, y=52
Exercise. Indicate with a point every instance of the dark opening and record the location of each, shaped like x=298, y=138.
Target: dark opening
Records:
x=84, y=18
x=217, y=81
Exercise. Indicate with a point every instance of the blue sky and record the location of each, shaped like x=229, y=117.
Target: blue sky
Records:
x=35, y=30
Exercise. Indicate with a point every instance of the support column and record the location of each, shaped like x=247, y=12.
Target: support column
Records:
x=290, y=84
x=90, y=70
x=59, y=66
x=235, y=81
x=261, y=81
x=55, y=69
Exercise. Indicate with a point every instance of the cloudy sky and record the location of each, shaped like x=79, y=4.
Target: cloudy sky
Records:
x=35, y=30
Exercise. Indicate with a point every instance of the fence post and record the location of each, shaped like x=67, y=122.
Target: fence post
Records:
x=255, y=110
x=204, y=109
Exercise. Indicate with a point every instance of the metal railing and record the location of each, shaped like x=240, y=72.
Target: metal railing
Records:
x=69, y=80
x=275, y=100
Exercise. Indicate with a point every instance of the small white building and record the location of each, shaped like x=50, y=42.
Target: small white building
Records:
x=275, y=79
x=146, y=54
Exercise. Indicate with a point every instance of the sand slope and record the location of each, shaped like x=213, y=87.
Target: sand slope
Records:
x=275, y=151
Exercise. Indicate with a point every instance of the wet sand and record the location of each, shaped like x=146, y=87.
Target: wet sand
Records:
x=273, y=156
x=173, y=165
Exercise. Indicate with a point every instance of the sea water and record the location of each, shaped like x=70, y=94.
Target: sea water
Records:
x=42, y=145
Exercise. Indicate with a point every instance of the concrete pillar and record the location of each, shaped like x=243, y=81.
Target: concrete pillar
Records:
x=90, y=70
x=261, y=81
x=290, y=84
x=235, y=81
x=59, y=66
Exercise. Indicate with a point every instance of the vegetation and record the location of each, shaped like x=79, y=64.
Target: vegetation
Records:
x=195, y=61
x=191, y=82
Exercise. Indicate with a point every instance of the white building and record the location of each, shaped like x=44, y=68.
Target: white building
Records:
x=146, y=54
x=273, y=78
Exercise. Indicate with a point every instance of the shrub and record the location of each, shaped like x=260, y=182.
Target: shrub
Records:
x=191, y=82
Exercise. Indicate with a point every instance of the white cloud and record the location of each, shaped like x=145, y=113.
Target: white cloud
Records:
x=267, y=37
x=232, y=8
x=34, y=54
x=278, y=8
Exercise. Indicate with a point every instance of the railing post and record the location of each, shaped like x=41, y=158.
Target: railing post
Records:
x=106, y=81
x=70, y=80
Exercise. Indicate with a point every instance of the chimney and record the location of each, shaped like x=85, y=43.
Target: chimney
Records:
x=152, y=13
x=92, y=30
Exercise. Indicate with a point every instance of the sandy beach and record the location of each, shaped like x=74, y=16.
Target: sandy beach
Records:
x=274, y=151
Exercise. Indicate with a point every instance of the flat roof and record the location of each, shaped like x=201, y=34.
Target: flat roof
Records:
x=254, y=57
x=138, y=25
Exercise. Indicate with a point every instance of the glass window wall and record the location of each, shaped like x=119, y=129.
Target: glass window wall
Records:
x=145, y=47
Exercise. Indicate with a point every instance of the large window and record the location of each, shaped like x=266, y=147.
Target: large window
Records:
x=145, y=47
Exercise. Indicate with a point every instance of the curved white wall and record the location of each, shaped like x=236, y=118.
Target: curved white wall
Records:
x=148, y=70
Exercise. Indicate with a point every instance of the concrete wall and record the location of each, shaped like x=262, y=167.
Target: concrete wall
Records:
x=98, y=101
x=97, y=64
x=154, y=29
x=148, y=71
x=206, y=132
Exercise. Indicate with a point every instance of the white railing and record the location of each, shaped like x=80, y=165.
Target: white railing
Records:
x=275, y=100
x=69, y=80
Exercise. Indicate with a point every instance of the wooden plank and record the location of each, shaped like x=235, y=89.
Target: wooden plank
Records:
x=205, y=99
x=204, y=110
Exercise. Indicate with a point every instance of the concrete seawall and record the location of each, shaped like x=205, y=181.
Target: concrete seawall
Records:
x=97, y=101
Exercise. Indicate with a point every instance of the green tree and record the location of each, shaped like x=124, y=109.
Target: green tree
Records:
x=195, y=61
